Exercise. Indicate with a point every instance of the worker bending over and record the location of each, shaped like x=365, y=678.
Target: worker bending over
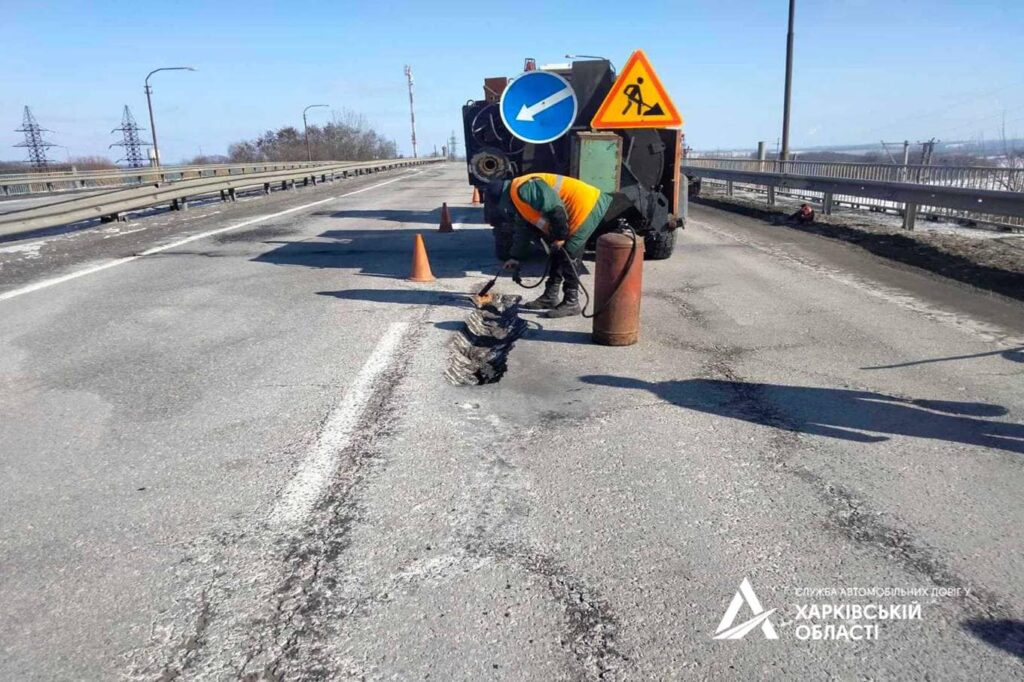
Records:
x=562, y=211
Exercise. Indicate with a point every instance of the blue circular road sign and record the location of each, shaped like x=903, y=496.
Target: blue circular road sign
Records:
x=538, y=106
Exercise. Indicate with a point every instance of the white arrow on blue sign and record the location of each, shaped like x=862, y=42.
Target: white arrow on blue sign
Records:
x=538, y=106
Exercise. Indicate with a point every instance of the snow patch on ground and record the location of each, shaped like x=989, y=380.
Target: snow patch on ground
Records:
x=30, y=250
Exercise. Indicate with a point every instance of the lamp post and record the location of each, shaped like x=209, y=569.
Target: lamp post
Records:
x=149, y=101
x=305, y=128
x=788, y=96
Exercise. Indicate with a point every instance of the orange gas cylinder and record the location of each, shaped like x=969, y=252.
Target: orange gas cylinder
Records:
x=617, y=289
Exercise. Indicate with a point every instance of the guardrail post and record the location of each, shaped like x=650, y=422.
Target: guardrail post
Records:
x=231, y=194
x=728, y=188
x=909, y=216
x=771, y=195
x=266, y=188
x=313, y=179
x=7, y=191
x=223, y=195
x=827, y=204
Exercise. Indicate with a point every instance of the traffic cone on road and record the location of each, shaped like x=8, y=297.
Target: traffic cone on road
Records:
x=420, y=265
x=476, y=195
x=446, y=220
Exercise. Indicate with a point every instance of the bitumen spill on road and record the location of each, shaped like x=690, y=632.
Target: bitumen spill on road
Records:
x=479, y=350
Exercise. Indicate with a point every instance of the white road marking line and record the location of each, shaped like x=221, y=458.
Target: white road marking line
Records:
x=319, y=465
x=982, y=330
x=53, y=281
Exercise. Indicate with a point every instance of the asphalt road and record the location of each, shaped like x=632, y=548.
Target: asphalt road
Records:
x=229, y=452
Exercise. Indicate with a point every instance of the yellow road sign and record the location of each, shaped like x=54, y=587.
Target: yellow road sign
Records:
x=637, y=100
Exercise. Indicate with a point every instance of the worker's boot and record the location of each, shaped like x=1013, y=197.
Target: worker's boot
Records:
x=570, y=305
x=549, y=299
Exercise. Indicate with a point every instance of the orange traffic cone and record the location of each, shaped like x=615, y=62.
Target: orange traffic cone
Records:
x=446, y=220
x=420, y=265
x=476, y=195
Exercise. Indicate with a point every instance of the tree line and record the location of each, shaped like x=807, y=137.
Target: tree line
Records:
x=346, y=138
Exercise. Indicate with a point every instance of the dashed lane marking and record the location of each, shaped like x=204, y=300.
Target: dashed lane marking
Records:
x=53, y=281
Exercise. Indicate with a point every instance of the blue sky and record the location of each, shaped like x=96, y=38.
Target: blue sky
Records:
x=864, y=70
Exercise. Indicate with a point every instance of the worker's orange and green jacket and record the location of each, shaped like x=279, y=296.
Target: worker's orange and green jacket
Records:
x=536, y=197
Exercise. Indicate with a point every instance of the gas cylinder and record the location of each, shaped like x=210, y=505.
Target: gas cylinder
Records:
x=618, y=280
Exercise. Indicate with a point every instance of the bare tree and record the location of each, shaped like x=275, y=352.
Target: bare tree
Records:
x=348, y=137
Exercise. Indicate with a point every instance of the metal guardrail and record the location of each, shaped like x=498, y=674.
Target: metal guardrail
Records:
x=977, y=193
x=20, y=184
x=109, y=206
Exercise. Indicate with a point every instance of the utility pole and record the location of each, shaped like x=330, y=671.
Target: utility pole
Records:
x=926, y=151
x=789, y=84
x=412, y=109
x=149, y=101
x=305, y=128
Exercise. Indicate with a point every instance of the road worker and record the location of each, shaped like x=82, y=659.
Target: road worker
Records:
x=564, y=212
x=803, y=215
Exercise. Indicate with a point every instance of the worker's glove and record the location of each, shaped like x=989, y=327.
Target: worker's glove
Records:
x=510, y=264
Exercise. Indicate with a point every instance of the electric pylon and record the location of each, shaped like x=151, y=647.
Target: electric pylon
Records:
x=132, y=142
x=34, y=141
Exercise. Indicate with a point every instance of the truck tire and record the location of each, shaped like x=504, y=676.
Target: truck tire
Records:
x=659, y=245
x=502, y=243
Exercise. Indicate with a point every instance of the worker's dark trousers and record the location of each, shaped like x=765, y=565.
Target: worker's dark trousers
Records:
x=564, y=270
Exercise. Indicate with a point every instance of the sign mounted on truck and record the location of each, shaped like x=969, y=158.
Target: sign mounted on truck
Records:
x=637, y=100
x=538, y=106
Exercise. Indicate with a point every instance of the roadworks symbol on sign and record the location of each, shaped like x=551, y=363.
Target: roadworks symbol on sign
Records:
x=637, y=100
x=726, y=629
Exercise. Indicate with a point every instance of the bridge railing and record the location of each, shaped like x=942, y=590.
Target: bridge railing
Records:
x=112, y=204
x=975, y=193
x=19, y=184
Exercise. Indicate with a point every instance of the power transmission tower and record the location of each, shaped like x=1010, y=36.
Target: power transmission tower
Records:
x=412, y=110
x=132, y=142
x=926, y=151
x=453, y=145
x=34, y=141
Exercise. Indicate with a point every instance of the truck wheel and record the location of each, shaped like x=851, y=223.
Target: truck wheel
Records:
x=502, y=243
x=659, y=245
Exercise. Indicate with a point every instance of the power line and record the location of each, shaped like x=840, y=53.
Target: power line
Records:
x=968, y=97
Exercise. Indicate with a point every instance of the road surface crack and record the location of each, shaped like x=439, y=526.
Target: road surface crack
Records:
x=847, y=514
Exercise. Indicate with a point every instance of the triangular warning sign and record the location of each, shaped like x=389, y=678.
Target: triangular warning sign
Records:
x=637, y=100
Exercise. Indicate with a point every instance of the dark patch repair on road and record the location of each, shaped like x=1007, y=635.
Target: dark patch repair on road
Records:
x=479, y=351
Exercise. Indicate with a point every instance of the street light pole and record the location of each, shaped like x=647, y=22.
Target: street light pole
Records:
x=784, y=153
x=149, y=102
x=305, y=128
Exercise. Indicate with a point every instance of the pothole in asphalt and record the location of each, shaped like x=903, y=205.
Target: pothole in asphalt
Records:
x=479, y=351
